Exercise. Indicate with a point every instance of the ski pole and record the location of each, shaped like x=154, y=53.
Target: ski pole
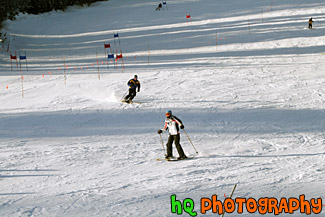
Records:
x=124, y=95
x=233, y=189
x=162, y=144
x=190, y=141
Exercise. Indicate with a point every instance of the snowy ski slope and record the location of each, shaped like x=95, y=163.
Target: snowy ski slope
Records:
x=245, y=77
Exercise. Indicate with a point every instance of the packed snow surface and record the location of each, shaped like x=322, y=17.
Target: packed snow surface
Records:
x=246, y=78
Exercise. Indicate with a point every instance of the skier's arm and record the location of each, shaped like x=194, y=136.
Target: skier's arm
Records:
x=179, y=122
x=138, y=86
x=164, y=129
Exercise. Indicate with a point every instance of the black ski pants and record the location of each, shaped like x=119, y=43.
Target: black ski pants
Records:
x=179, y=148
x=131, y=95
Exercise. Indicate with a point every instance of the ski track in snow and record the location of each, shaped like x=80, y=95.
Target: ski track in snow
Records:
x=253, y=105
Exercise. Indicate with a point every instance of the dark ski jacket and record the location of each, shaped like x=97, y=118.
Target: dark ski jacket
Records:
x=172, y=125
x=134, y=84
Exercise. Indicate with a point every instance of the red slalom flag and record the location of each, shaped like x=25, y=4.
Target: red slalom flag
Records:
x=50, y=73
x=107, y=45
x=119, y=56
x=7, y=86
x=135, y=58
x=13, y=58
x=43, y=75
x=188, y=16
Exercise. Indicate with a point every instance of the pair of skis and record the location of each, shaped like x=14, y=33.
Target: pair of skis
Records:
x=132, y=102
x=173, y=159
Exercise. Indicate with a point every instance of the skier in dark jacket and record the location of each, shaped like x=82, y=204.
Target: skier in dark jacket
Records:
x=310, y=22
x=172, y=124
x=159, y=7
x=133, y=84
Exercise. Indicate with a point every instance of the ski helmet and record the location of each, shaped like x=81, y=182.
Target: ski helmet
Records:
x=168, y=113
x=135, y=76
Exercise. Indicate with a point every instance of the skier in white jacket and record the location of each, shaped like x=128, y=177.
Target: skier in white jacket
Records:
x=172, y=124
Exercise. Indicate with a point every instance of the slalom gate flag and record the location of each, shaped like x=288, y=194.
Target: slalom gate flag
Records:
x=110, y=56
x=22, y=57
x=116, y=35
x=188, y=16
x=107, y=45
x=119, y=56
x=13, y=57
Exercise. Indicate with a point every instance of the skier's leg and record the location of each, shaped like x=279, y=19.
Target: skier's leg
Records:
x=169, y=146
x=179, y=147
x=126, y=98
x=132, y=95
x=129, y=97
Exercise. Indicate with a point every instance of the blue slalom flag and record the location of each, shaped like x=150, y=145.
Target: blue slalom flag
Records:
x=110, y=56
x=116, y=35
x=22, y=57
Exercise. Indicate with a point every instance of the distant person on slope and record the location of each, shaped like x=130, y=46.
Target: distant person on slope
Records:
x=310, y=22
x=159, y=7
x=172, y=124
x=133, y=85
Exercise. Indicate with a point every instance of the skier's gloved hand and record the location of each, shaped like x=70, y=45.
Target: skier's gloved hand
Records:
x=159, y=131
x=182, y=126
x=138, y=90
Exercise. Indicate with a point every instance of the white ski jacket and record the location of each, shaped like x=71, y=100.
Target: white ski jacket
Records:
x=172, y=125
